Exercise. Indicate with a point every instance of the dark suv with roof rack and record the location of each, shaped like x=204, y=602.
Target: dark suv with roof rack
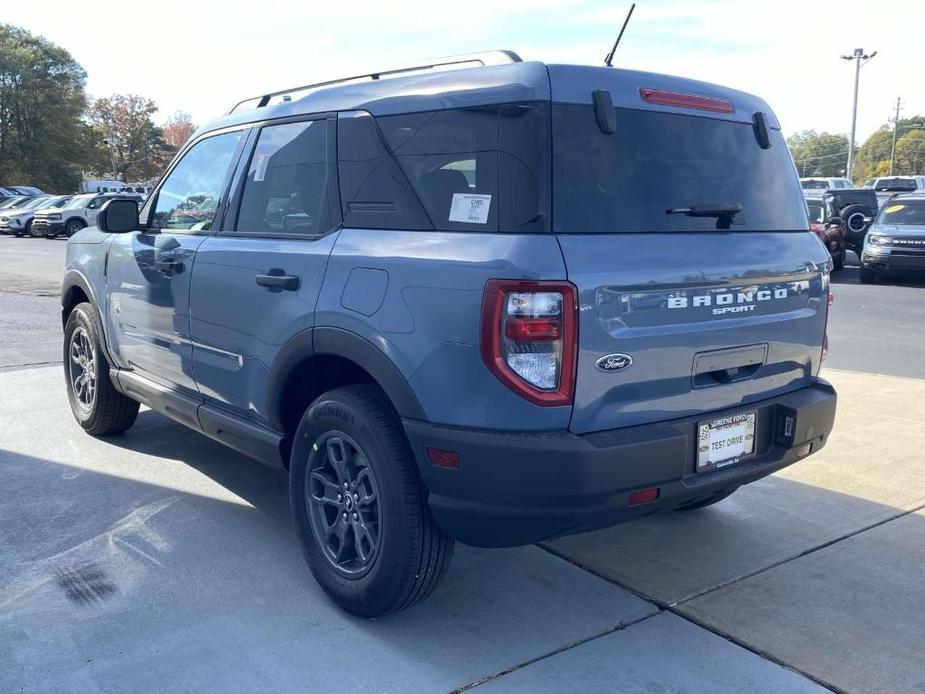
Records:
x=495, y=304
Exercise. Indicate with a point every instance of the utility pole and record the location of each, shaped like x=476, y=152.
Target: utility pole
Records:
x=860, y=59
x=895, y=130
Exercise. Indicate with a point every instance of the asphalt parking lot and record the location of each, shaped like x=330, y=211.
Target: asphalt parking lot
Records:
x=160, y=561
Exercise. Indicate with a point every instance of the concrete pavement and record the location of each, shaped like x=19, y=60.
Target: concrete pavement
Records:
x=818, y=566
x=158, y=560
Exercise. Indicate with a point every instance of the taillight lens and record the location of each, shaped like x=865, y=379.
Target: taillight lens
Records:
x=529, y=336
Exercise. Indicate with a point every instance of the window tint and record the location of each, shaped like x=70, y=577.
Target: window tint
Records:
x=484, y=169
x=654, y=162
x=189, y=196
x=903, y=212
x=288, y=186
x=816, y=212
x=815, y=185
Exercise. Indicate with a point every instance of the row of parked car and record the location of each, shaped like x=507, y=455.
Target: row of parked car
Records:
x=883, y=222
x=53, y=215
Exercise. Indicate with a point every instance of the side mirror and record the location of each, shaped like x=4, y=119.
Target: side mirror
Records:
x=118, y=216
x=834, y=221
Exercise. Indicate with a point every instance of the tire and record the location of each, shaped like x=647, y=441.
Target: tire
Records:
x=96, y=405
x=18, y=233
x=73, y=226
x=867, y=276
x=853, y=216
x=29, y=231
x=50, y=235
x=353, y=433
x=838, y=261
x=709, y=501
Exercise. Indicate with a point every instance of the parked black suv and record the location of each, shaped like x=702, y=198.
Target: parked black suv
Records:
x=854, y=209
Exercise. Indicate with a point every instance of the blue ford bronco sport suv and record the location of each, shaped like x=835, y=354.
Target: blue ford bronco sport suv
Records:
x=496, y=304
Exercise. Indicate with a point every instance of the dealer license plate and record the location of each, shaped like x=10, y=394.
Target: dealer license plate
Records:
x=725, y=440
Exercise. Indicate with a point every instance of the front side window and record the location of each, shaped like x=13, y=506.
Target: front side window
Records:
x=288, y=186
x=189, y=196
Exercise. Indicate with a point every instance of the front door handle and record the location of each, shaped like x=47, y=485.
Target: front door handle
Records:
x=277, y=280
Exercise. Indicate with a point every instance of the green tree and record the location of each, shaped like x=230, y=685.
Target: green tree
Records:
x=42, y=99
x=132, y=145
x=819, y=154
x=910, y=153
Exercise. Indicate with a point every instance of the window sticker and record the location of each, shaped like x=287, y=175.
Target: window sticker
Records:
x=470, y=208
x=260, y=169
x=894, y=208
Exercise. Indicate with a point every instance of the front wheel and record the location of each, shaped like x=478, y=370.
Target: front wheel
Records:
x=73, y=226
x=95, y=403
x=359, y=506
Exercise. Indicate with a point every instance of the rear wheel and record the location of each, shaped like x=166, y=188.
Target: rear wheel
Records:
x=867, y=276
x=359, y=506
x=709, y=501
x=95, y=403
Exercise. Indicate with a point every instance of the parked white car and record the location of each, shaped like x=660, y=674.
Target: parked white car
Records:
x=816, y=186
x=19, y=220
x=78, y=213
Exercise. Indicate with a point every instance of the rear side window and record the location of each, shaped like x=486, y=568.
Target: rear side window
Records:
x=482, y=169
x=289, y=188
x=625, y=182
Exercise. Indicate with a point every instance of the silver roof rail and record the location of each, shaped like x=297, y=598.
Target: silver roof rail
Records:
x=483, y=59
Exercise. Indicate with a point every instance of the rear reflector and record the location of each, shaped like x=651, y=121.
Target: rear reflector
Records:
x=703, y=103
x=446, y=459
x=643, y=496
x=533, y=329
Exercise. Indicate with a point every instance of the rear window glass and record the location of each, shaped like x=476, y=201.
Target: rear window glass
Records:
x=816, y=212
x=654, y=162
x=894, y=184
x=816, y=185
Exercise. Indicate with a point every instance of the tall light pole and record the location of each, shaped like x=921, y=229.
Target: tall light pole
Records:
x=895, y=130
x=860, y=59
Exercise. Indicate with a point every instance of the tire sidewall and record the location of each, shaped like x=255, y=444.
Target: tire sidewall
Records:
x=72, y=227
x=80, y=318
x=382, y=582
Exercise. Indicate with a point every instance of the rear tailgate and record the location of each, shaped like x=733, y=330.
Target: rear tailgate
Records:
x=709, y=320
x=681, y=314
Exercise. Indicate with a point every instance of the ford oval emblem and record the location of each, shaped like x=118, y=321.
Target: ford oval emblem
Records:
x=613, y=362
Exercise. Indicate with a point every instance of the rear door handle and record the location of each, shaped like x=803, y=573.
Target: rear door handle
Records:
x=277, y=280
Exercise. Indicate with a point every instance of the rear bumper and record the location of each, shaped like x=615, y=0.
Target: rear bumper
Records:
x=515, y=488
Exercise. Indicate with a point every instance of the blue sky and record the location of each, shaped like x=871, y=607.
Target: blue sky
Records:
x=204, y=55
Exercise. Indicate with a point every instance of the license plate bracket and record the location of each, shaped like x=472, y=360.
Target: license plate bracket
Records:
x=725, y=440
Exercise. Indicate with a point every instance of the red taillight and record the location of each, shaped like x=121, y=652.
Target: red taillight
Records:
x=643, y=496
x=529, y=338
x=703, y=103
x=535, y=329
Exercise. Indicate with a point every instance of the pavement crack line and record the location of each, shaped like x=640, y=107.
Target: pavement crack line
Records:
x=673, y=607
x=561, y=649
x=30, y=365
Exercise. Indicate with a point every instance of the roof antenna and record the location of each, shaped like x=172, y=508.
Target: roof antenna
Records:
x=609, y=59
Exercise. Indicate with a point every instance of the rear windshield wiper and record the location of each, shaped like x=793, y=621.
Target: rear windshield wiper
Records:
x=726, y=213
